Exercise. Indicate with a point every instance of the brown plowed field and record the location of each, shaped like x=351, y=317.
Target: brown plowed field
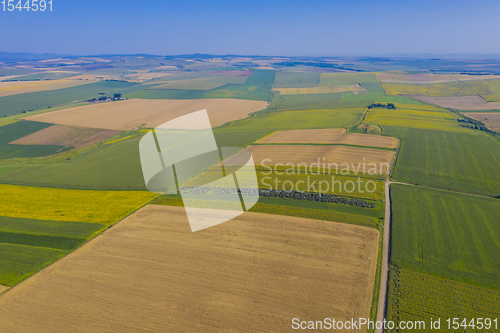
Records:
x=66, y=136
x=123, y=115
x=333, y=135
x=149, y=273
x=362, y=158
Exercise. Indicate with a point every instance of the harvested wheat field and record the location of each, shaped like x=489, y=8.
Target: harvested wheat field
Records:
x=320, y=90
x=338, y=157
x=21, y=87
x=132, y=113
x=3, y=288
x=491, y=120
x=470, y=103
x=330, y=136
x=150, y=273
x=66, y=136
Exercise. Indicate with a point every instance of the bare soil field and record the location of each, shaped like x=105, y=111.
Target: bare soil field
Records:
x=369, y=159
x=471, y=103
x=132, y=113
x=21, y=87
x=150, y=273
x=331, y=135
x=430, y=78
x=491, y=120
x=320, y=90
x=66, y=136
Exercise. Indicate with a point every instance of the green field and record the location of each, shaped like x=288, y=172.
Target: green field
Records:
x=341, y=79
x=288, y=120
x=17, y=130
x=448, y=234
x=312, y=182
x=296, y=80
x=488, y=89
x=108, y=167
x=368, y=97
x=290, y=207
x=309, y=101
x=21, y=261
x=448, y=160
x=15, y=104
x=27, y=245
x=408, y=115
x=414, y=296
x=43, y=76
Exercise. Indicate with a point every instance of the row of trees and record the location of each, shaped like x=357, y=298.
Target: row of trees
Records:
x=389, y=106
x=312, y=196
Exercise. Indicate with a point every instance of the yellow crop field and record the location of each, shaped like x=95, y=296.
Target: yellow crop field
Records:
x=428, y=117
x=69, y=205
x=487, y=89
x=320, y=90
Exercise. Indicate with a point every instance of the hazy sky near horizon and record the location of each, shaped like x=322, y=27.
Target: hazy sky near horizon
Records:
x=293, y=28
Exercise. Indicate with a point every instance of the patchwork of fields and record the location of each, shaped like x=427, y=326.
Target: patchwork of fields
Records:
x=68, y=174
x=332, y=263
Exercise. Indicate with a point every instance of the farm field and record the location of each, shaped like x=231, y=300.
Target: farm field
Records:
x=456, y=161
x=487, y=89
x=26, y=245
x=202, y=83
x=16, y=104
x=448, y=234
x=66, y=136
x=415, y=117
x=430, y=78
x=311, y=181
x=320, y=90
x=296, y=80
x=20, y=87
x=290, y=120
x=69, y=205
x=491, y=120
x=329, y=136
x=333, y=264
x=337, y=157
x=460, y=102
x=15, y=131
x=123, y=115
x=415, y=296
x=340, y=79
x=309, y=102
x=48, y=75
x=113, y=166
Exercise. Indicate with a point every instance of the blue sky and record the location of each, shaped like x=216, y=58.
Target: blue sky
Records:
x=293, y=28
